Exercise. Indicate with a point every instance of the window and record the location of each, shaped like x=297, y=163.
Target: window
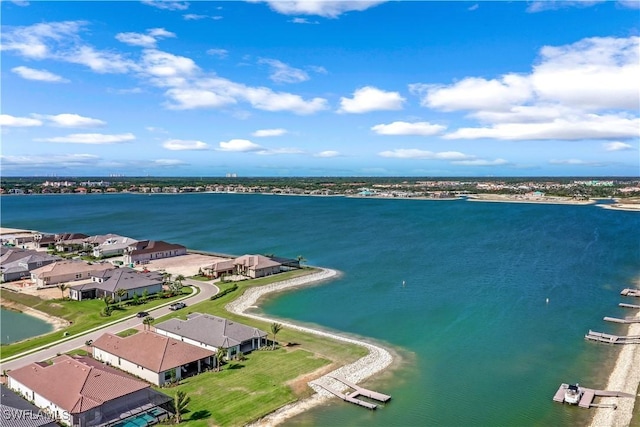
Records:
x=78, y=275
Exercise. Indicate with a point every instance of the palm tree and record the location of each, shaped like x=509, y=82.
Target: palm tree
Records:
x=180, y=402
x=179, y=279
x=166, y=277
x=62, y=287
x=275, y=328
x=301, y=259
x=220, y=358
x=120, y=293
x=147, y=322
x=107, y=300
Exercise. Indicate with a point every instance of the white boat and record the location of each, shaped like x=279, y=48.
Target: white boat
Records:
x=572, y=394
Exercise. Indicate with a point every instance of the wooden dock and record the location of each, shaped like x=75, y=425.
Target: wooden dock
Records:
x=628, y=319
x=622, y=304
x=628, y=292
x=348, y=398
x=361, y=391
x=589, y=395
x=612, y=339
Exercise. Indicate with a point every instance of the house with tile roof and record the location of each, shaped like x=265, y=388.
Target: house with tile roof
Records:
x=220, y=268
x=214, y=333
x=66, y=271
x=16, y=264
x=149, y=250
x=80, y=391
x=256, y=266
x=106, y=245
x=107, y=282
x=155, y=358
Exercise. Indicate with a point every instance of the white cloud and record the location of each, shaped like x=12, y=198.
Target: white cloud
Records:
x=136, y=39
x=99, y=61
x=284, y=73
x=269, y=132
x=21, y=3
x=327, y=9
x=67, y=120
x=163, y=64
x=574, y=162
x=193, y=17
x=481, y=162
x=414, y=153
x=185, y=145
x=49, y=161
x=368, y=98
x=474, y=7
x=405, y=128
x=12, y=121
x=303, y=21
x=617, y=146
x=39, y=75
x=585, y=90
x=220, y=53
x=239, y=145
x=543, y=5
x=327, y=154
x=274, y=151
x=167, y=4
x=155, y=129
x=32, y=41
x=188, y=99
x=90, y=138
x=160, y=33
x=589, y=126
x=168, y=162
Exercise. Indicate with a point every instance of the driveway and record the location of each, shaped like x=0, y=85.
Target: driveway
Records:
x=206, y=291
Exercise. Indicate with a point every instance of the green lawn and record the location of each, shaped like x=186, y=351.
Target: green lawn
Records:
x=83, y=315
x=127, y=332
x=247, y=390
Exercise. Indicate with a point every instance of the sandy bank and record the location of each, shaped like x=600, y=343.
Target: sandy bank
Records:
x=514, y=198
x=57, y=322
x=629, y=207
x=625, y=377
x=374, y=362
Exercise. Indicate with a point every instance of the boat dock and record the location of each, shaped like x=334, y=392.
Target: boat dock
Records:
x=628, y=292
x=588, y=396
x=612, y=339
x=628, y=319
x=622, y=304
x=358, y=391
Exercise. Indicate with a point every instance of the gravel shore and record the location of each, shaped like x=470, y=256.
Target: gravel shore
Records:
x=625, y=377
x=374, y=362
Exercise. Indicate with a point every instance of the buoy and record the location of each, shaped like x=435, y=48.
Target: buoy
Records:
x=547, y=300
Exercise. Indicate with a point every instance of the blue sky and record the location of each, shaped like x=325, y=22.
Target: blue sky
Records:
x=316, y=88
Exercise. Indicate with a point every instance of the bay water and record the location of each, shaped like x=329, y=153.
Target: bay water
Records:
x=486, y=304
x=16, y=326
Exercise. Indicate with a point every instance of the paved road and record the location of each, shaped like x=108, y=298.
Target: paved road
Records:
x=206, y=291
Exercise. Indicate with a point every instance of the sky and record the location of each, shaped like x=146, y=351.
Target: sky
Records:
x=317, y=88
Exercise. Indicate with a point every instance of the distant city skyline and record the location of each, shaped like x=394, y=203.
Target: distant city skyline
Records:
x=316, y=88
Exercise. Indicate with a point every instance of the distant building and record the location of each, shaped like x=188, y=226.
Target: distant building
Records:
x=66, y=271
x=256, y=266
x=108, y=282
x=149, y=250
x=16, y=264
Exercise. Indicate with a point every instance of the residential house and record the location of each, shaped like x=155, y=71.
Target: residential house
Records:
x=44, y=240
x=17, y=412
x=70, y=242
x=220, y=268
x=256, y=266
x=16, y=264
x=108, y=245
x=107, y=282
x=155, y=358
x=66, y=271
x=80, y=391
x=149, y=250
x=214, y=333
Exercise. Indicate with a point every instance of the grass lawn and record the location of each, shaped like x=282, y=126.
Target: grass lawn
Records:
x=245, y=390
x=83, y=315
x=127, y=332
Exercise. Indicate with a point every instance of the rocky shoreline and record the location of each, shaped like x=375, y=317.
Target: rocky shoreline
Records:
x=377, y=360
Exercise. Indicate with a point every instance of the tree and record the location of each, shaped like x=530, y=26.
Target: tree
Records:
x=62, y=287
x=145, y=295
x=136, y=299
x=147, y=322
x=179, y=279
x=180, y=403
x=301, y=259
x=120, y=293
x=166, y=277
x=220, y=358
x=275, y=328
x=107, y=300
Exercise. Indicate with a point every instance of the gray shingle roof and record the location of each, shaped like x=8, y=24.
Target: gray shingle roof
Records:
x=211, y=330
x=123, y=278
x=17, y=412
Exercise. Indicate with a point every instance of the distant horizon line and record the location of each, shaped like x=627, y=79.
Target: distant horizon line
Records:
x=120, y=177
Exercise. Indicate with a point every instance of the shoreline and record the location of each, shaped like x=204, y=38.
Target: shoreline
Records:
x=376, y=361
x=545, y=200
x=57, y=323
x=625, y=377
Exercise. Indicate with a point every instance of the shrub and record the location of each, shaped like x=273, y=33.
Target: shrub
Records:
x=224, y=292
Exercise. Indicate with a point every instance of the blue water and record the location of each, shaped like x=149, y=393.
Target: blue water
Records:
x=16, y=326
x=479, y=343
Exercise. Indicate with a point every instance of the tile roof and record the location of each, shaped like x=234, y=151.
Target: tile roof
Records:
x=75, y=384
x=152, y=246
x=255, y=262
x=123, y=278
x=70, y=266
x=211, y=330
x=151, y=350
